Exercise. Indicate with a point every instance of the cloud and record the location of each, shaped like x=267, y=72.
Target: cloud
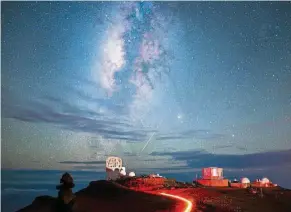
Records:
x=71, y=117
x=57, y=111
x=97, y=169
x=197, y=134
x=163, y=169
x=104, y=103
x=84, y=162
x=205, y=159
x=129, y=154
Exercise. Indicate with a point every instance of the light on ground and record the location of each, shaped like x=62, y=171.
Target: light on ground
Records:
x=188, y=202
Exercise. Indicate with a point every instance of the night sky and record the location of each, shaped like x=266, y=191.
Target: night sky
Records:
x=171, y=86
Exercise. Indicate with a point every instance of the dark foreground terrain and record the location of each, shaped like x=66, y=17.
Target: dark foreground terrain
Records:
x=106, y=196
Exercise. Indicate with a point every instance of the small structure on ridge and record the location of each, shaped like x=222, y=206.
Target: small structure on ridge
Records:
x=122, y=172
x=131, y=174
x=245, y=182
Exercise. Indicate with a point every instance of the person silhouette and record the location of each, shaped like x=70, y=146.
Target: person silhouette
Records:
x=66, y=197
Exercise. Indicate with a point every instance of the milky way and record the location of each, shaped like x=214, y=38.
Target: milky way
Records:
x=135, y=46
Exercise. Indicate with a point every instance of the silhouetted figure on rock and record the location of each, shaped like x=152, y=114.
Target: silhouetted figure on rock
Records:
x=66, y=197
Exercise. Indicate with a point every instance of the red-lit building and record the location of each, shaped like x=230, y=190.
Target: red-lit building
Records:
x=212, y=173
x=265, y=182
x=213, y=177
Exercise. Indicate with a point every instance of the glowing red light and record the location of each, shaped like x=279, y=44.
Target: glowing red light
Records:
x=188, y=202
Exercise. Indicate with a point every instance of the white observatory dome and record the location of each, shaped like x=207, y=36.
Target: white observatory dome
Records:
x=265, y=180
x=122, y=173
x=131, y=174
x=245, y=180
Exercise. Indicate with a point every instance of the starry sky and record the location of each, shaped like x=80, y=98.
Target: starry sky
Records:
x=168, y=86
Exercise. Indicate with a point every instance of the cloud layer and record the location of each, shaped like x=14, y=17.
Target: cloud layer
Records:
x=192, y=134
x=200, y=159
x=71, y=117
x=108, y=120
x=84, y=162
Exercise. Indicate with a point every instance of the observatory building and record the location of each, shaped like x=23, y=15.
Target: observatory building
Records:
x=264, y=182
x=131, y=174
x=122, y=172
x=213, y=176
x=244, y=183
x=212, y=173
x=113, y=168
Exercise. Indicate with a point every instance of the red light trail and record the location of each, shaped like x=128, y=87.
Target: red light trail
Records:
x=188, y=202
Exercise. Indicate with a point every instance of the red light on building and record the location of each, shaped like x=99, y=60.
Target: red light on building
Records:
x=212, y=173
